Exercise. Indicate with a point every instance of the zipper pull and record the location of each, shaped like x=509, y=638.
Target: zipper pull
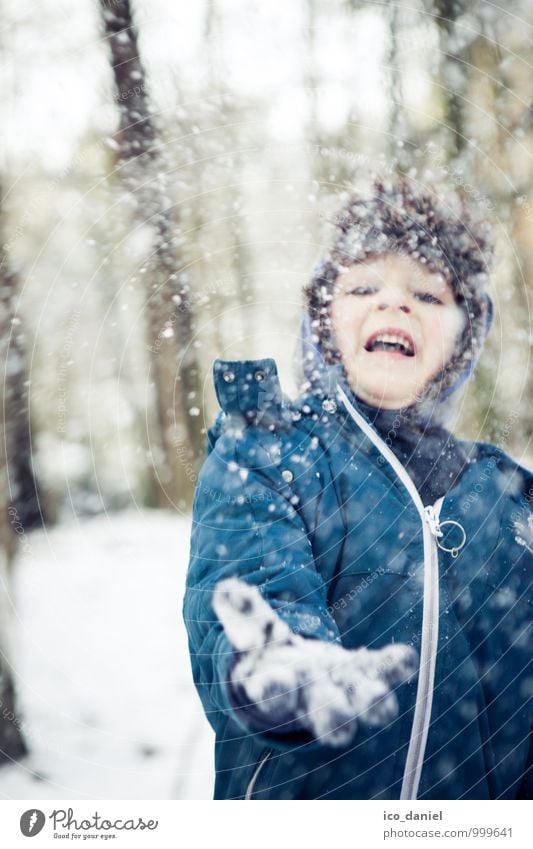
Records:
x=432, y=520
x=436, y=529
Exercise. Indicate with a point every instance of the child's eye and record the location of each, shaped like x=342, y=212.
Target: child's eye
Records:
x=362, y=290
x=427, y=298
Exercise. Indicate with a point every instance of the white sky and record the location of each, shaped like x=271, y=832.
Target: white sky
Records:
x=56, y=80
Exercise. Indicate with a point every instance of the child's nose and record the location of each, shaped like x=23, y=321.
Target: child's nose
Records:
x=394, y=296
x=402, y=307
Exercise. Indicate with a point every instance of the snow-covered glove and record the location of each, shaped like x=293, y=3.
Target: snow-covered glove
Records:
x=326, y=688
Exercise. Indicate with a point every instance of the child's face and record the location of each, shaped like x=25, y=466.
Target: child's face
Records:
x=394, y=293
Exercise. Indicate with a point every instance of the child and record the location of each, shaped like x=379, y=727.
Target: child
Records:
x=358, y=600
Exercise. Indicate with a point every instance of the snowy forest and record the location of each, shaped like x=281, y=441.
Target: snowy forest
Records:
x=168, y=172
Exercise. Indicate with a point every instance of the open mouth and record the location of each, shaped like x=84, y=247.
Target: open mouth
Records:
x=392, y=341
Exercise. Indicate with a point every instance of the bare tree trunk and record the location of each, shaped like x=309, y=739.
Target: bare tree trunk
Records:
x=22, y=494
x=19, y=499
x=486, y=58
x=310, y=74
x=395, y=77
x=12, y=743
x=455, y=70
x=403, y=138
x=173, y=359
x=481, y=59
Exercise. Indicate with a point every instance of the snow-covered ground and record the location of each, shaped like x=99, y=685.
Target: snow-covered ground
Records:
x=103, y=673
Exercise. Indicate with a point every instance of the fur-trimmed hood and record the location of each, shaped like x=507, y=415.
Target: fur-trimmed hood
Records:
x=443, y=236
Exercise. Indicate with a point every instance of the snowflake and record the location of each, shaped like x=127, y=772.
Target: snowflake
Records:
x=524, y=532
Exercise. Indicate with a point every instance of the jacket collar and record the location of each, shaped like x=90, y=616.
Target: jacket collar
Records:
x=322, y=398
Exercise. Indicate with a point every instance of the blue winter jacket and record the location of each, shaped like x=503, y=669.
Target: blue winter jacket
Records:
x=305, y=499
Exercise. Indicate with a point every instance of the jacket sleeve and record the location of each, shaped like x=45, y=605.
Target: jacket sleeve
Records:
x=245, y=525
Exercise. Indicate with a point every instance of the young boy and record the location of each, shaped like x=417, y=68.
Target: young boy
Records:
x=359, y=596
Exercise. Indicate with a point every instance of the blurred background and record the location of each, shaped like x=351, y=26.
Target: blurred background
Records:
x=167, y=175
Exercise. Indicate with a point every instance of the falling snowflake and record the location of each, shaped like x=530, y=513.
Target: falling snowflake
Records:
x=524, y=532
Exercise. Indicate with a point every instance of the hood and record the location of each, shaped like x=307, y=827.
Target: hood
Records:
x=400, y=216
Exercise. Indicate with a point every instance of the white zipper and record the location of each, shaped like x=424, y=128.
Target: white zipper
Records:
x=255, y=776
x=428, y=656
x=430, y=609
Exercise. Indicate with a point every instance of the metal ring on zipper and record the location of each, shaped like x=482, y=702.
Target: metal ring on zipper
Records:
x=454, y=551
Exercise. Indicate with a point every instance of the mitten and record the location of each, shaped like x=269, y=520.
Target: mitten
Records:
x=307, y=683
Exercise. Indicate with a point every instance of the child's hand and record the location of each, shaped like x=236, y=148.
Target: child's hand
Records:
x=329, y=689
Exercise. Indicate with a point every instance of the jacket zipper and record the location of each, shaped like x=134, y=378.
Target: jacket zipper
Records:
x=430, y=609
x=255, y=776
x=428, y=656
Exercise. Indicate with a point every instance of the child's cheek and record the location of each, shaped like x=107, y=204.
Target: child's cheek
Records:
x=343, y=326
x=448, y=330
x=458, y=324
